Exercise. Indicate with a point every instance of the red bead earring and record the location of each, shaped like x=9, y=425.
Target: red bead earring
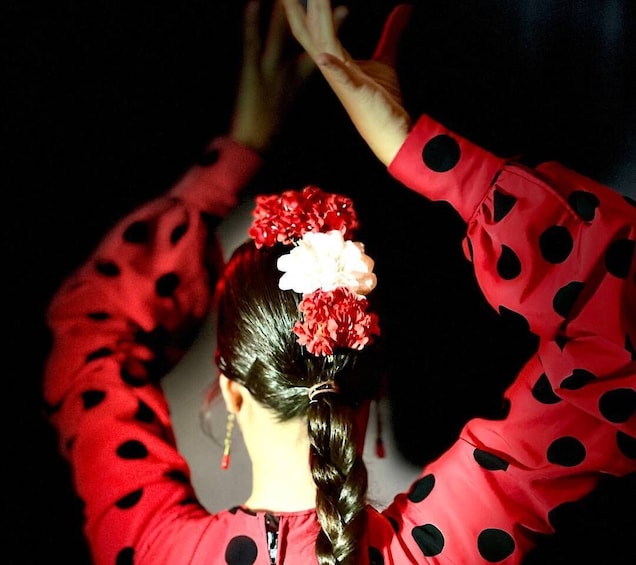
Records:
x=227, y=442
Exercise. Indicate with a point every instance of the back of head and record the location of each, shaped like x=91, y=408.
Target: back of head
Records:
x=257, y=346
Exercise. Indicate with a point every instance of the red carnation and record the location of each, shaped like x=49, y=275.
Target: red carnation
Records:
x=285, y=218
x=336, y=318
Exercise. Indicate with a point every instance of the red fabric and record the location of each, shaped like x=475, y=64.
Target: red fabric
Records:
x=548, y=245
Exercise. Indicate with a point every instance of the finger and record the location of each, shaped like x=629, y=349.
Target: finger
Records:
x=387, y=47
x=251, y=35
x=320, y=22
x=344, y=77
x=277, y=36
x=339, y=16
x=296, y=18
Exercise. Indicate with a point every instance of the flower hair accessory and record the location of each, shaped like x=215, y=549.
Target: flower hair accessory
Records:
x=331, y=271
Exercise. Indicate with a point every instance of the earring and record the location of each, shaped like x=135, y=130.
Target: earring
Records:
x=379, y=443
x=227, y=442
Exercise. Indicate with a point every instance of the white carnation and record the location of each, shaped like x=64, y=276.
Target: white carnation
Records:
x=326, y=261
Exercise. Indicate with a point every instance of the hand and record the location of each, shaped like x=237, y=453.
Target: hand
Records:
x=271, y=74
x=368, y=90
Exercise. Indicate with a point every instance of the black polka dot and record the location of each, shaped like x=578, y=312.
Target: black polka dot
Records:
x=157, y=338
x=503, y=203
x=178, y=233
x=208, y=158
x=375, y=557
x=619, y=257
x=577, y=379
x=429, y=539
x=178, y=475
x=489, y=461
x=556, y=244
x=137, y=232
x=211, y=222
x=131, y=379
x=99, y=354
x=495, y=545
x=107, y=268
x=237, y=509
x=125, y=556
x=241, y=550
x=130, y=500
x=618, y=405
x=626, y=444
x=566, y=451
x=144, y=413
x=92, y=398
x=167, y=284
x=441, y=153
x=70, y=442
x=132, y=449
x=508, y=264
x=543, y=391
x=514, y=318
x=584, y=204
x=565, y=298
x=421, y=488
x=98, y=316
x=561, y=340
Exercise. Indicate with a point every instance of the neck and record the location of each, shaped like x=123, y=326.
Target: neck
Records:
x=279, y=451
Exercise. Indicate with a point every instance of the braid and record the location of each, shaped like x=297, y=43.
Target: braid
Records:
x=257, y=348
x=341, y=480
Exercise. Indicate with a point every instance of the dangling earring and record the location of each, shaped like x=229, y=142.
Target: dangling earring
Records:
x=379, y=443
x=227, y=442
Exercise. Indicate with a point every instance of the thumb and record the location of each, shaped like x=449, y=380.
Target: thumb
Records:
x=342, y=75
x=396, y=22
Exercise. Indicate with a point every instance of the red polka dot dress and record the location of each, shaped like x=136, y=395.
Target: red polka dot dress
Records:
x=549, y=247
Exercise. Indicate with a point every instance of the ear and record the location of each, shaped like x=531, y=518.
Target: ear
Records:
x=232, y=394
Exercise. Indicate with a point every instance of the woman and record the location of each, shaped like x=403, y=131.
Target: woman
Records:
x=301, y=402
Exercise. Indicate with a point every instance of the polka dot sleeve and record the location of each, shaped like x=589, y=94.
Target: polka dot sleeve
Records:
x=555, y=251
x=119, y=323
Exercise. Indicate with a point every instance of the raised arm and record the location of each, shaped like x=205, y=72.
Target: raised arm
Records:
x=550, y=248
x=129, y=313
x=368, y=90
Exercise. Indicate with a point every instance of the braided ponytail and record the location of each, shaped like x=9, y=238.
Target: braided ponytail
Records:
x=341, y=480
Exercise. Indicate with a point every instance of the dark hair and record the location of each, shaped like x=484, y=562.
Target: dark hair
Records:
x=257, y=348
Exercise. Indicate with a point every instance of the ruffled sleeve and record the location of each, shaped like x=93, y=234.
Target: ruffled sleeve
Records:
x=119, y=324
x=554, y=250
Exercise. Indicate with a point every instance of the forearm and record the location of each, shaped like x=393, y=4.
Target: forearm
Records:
x=119, y=324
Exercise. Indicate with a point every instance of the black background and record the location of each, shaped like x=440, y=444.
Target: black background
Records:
x=109, y=102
